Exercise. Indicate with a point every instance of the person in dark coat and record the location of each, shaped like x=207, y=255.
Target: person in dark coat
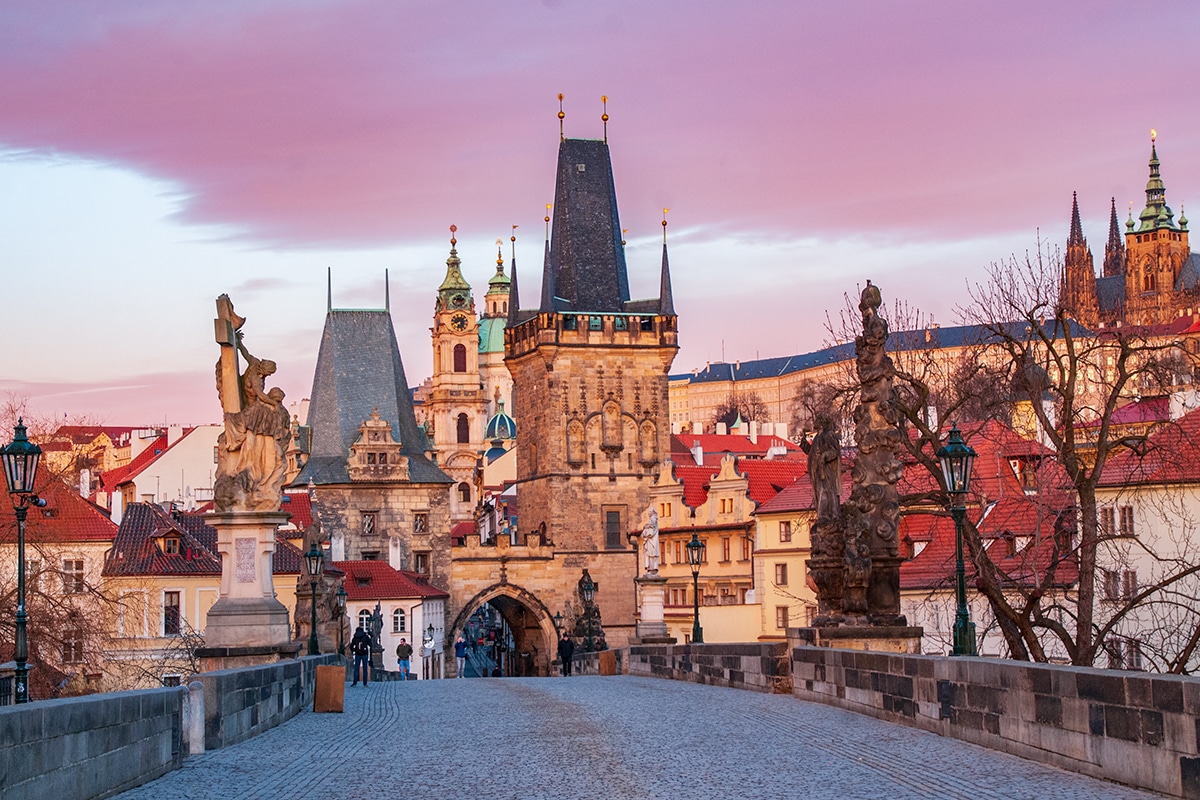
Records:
x=566, y=650
x=360, y=648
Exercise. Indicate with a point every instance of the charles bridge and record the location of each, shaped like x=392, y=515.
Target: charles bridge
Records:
x=1007, y=729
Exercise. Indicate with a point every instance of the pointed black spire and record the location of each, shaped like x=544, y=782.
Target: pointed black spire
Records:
x=1114, y=249
x=1076, y=236
x=514, y=298
x=666, y=302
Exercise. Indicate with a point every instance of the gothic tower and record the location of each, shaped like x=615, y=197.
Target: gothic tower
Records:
x=1114, y=249
x=1155, y=251
x=493, y=374
x=1079, y=275
x=589, y=367
x=456, y=405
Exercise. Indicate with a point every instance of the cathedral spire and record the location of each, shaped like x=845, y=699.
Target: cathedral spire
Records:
x=666, y=303
x=1076, y=235
x=1156, y=214
x=1114, y=249
x=454, y=292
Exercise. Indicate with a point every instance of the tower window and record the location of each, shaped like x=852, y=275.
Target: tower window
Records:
x=464, y=429
x=464, y=492
x=460, y=358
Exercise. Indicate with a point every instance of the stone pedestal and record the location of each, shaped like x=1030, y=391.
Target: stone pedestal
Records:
x=247, y=625
x=883, y=639
x=651, y=629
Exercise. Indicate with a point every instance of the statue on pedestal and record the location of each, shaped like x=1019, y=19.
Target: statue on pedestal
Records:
x=650, y=550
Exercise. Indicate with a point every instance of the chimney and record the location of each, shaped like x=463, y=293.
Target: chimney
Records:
x=781, y=430
x=174, y=434
x=721, y=430
x=697, y=428
x=753, y=432
x=698, y=453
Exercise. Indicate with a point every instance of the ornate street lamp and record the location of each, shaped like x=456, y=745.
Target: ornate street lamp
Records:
x=315, y=559
x=587, y=590
x=558, y=622
x=341, y=604
x=20, y=472
x=957, y=459
x=695, y=554
x=429, y=651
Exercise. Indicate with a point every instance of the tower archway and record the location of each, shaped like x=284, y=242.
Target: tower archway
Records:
x=526, y=620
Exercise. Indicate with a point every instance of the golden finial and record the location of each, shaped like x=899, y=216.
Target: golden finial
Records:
x=513, y=239
x=548, y=207
x=1153, y=135
x=604, y=116
x=623, y=232
x=499, y=254
x=561, y=116
x=664, y=224
x=453, y=230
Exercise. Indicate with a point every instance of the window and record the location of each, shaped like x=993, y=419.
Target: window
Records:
x=33, y=570
x=72, y=575
x=1129, y=584
x=726, y=505
x=398, y=621
x=1112, y=584
x=170, y=613
x=464, y=492
x=612, y=529
x=1108, y=521
x=595, y=323
x=725, y=548
x=368, y=523
x=781, y=617
x=460, y=358
x=420, y=522
x=364, y=619
x=421, y=563
x=1120, y=584
x=664, y=509
x=620, y=323
x=785, y=531
x=72, y=645
x=746, y=548
x=679, y=559
x=171, y=545
x=647, y=323
x=171, y=680
x=569, y=322
x=781, y=574
x=1126, y=528
x=463, y=429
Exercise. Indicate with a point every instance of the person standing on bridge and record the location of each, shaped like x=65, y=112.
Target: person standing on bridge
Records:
x=360, y=647
x=460, y=655
x=566, y=651
x=403, y=655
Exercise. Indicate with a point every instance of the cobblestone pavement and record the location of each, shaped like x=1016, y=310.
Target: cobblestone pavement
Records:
x=604, y=738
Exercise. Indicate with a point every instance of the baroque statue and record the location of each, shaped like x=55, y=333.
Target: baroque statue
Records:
x=650, y=551
x=250, y=452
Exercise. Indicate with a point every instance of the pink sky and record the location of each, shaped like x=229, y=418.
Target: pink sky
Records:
x=802, y=148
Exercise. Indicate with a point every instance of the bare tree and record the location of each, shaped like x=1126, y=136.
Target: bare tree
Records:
x=747, y=405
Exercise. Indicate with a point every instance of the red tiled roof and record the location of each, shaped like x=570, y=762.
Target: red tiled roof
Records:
x=86, y=434
x=460, y=531
x=115, y=477
x=377, y=580
x=769, y=478
x=1141, y=411
x=1170, y=455
x=299, y=505
x=67, y=517
x=799, y=496
x=717, y=446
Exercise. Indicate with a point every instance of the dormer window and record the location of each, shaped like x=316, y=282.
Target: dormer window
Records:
x=171, y=545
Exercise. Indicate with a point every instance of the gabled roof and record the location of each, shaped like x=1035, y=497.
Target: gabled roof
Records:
x=67, y=517
x=136, y=550
x=359, y=370
x=115, y=477
x=86, y=434
x=376, y=580
x=299, y=505
x=1170, y=455
x=717, y=446
x=765, y=479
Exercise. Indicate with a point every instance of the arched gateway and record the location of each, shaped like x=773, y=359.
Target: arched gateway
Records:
x=534, y=635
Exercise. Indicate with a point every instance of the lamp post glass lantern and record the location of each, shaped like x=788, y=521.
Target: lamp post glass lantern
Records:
x=20, y=459
x=957, y=459
x=341, y=604
x=314, y=559
x=695, y=555
x=587, y=589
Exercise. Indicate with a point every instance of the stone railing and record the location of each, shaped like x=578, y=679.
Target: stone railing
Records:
x=760, y=667
x=1133, y=728
x=99, y=745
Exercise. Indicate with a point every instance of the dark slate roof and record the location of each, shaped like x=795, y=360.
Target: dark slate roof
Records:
x=359, y=370
x=925, y=338
x=585, y=270
x=1110, y=292
x=1189, y=273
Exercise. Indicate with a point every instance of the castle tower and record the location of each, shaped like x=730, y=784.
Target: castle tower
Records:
x=1079, y=275
x=589, y=367
x=456, y=405
x=1114, y=248
x=1155, y=251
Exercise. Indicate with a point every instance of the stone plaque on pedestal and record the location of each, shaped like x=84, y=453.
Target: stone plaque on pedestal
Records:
x=651, y=629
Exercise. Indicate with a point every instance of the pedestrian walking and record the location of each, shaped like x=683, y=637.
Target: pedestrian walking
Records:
x=404, y=653
x=566, y=651
x=460, y=655
x=360, y=648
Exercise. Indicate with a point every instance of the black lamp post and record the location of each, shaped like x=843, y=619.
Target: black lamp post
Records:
x=341, y=604
x=558, y=622
x=587, y=590
x=20, y=471
x=957, y=458
x=315, y=559
x=429, y=651
x=695, y=554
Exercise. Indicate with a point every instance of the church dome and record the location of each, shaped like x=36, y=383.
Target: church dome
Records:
x=500, y=426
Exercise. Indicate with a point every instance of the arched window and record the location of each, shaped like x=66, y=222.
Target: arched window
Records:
x=464, y=429
x=464, y=492
x=460, y=358
x=364, y=619
x=399, y=621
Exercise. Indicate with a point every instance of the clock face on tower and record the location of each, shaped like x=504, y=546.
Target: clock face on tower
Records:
x=458, y=322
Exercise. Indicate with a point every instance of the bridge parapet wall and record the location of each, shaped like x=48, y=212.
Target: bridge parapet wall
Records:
x=759, y=666
x=100, y=745
x=1133, y=728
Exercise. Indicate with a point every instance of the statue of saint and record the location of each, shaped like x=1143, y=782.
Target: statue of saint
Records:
x=650, y=551
x=825, y=468
x=250, y=453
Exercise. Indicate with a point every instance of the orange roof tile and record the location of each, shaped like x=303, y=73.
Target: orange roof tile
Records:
x=377, y=580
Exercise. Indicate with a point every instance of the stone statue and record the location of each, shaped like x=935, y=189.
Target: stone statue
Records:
x=825, y=468
x=650, y=551
x=376, y=627
x=250, y=453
